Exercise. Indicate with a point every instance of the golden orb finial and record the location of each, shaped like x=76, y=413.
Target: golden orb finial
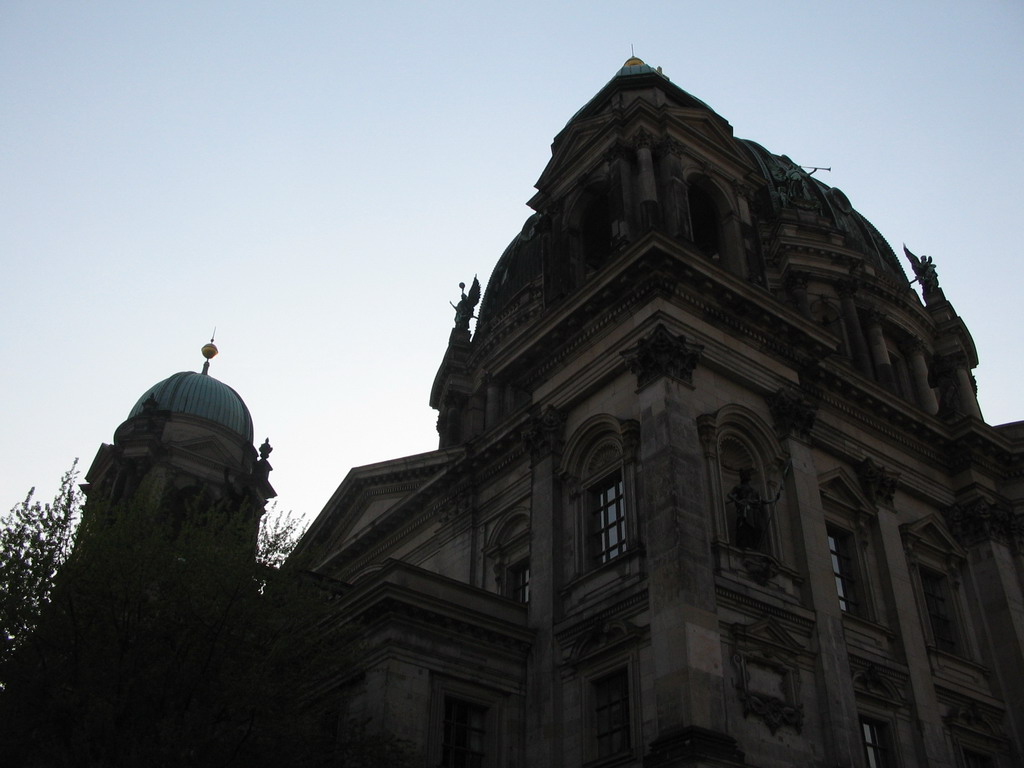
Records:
x=209, y=352
x=633, y=61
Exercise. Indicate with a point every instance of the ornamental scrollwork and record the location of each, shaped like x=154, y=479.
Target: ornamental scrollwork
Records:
x=663, y=354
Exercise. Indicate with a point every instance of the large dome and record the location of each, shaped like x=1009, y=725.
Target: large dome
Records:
x=200, y=395
x=789, y=192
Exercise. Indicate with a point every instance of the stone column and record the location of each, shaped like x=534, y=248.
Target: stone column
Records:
x=879, y=352
x=851, y=322
x=543, y=686
x=649, y=212
x=952, y=378
x=493, y=409
x=796, y=286
x=794, y=417
x=676, y=202
x=996, y=598
x=899, y=554
x=620, y=195
x=968, y=399
x=689, y=686
x=919, y=374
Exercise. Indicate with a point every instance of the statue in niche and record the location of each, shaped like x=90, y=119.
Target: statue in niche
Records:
x=753, y=514
x=464, y=309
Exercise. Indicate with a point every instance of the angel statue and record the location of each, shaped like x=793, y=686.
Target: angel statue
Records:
x=464, y=309
x=924, y=269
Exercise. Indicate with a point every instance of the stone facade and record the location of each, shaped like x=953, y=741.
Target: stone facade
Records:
x=713, y=487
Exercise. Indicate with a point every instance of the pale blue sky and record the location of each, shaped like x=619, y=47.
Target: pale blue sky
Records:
x=316, y=178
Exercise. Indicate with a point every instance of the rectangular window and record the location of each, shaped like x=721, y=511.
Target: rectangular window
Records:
x=611, y=698
x=609, y=519
x=876, y=743
x=464, y=734
x=936, y=599
x=977, y=760
x=840, y=548
x=519, y=581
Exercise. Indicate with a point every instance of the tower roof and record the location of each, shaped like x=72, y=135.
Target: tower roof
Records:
x=634, y=83
x=200, y=395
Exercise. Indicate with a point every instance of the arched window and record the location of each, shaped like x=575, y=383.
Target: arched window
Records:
x=598, y=470
x=508, y=551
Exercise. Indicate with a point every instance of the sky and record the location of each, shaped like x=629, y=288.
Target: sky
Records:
x=314, y=179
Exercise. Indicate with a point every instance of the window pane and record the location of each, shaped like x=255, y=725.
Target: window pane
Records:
x=939, y=615
x=875, y=738
x=840, y=548
x=611, y=697
x=519, y=581
x=464, y=734
x=609, y=520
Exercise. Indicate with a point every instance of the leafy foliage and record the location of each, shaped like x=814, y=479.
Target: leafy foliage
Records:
x=35, y=540
x=164, y=641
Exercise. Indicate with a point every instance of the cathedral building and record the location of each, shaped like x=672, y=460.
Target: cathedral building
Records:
x=712, y=487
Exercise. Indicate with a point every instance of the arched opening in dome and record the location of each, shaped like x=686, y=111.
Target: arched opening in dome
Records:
x=705, y=221
x=596, y=233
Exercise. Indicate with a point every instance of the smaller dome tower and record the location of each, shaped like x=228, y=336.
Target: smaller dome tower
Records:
x=188, y=437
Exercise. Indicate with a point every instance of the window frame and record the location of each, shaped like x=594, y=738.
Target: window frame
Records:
x=473, y=723
x=489, y=702
x=517, y=581
x=878, y=752
x=940, y=611
x=606, y=494
x=845, y=569
x=623, y=662
x=611, y=693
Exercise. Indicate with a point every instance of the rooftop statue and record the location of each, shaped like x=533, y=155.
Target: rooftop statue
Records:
x=924, y=269
x=464, y=309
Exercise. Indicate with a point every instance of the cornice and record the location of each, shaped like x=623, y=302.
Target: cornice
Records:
x=797, y=618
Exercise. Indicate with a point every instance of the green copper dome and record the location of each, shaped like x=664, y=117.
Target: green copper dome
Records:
x=201, y=395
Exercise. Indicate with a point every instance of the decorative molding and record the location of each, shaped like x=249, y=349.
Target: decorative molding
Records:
x=792, y=412
x=662, y=354
x=978, y=520
x=880, y=682
x=543, y=435
x=761, y=568
x=878, y=484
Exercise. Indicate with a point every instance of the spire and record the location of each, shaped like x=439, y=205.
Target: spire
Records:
x=209, y=352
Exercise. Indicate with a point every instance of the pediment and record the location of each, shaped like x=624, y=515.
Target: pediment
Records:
x=931, y=533
x=768, y=636
x=205, y=447
x=843, y=489
x=373, y=501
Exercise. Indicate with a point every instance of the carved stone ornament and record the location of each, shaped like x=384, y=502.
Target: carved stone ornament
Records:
x=643, y=140
x=978, y=520
x=662, y=354
x=881, y=683
x=544, y=433
x=774, y=711
x=973, y=717
x=792, y=412
x=761, y=568
x=878, y=484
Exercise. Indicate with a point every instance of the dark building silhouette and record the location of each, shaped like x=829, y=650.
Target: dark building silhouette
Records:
x=712, y=487
x=187, y=441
